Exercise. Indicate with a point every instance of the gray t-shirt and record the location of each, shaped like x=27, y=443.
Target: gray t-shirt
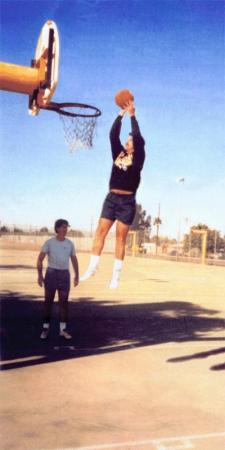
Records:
x=59, y=253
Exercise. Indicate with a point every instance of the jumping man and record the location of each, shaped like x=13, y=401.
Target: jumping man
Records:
x=120, y=203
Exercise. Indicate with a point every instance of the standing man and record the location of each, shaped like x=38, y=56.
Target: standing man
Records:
x=57, y=278
x=120, y=203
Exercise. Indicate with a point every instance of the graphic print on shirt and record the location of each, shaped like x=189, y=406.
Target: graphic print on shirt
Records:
x=123, y=161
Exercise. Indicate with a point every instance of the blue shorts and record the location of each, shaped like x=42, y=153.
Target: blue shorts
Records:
x=120, y=207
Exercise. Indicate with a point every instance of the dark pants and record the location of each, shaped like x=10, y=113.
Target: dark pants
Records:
x=56, y=280
x=120, y=207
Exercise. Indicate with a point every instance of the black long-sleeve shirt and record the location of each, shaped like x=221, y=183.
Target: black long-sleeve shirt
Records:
x=126, y=169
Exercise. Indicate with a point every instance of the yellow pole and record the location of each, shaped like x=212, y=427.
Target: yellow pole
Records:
x=204, y=242
x=134, y=244
x=19, y=79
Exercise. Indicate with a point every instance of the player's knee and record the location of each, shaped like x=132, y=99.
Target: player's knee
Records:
x=121, y=239
x=101, y=233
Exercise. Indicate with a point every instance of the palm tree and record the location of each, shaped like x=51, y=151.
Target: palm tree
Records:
x=157, y=223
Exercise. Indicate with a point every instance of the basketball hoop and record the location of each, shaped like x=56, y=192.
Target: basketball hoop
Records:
x=79, y=123
x=40, y=81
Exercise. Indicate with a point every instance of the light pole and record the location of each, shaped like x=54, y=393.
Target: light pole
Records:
x=188, y=234
x=157, y=222
x=215, y=242
x=180, y=181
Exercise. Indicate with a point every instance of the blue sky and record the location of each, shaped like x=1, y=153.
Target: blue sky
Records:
x=170, y=54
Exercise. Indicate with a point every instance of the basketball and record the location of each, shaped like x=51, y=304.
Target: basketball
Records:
x=122, y=97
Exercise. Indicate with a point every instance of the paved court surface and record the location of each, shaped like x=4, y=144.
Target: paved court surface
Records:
x=145, y=368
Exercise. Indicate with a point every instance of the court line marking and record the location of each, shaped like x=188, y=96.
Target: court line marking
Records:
x=156, y=442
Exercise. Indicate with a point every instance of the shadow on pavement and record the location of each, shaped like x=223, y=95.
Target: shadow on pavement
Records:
x=218, y=367
x=15, y=267
x=201, y=355
x=99, y=327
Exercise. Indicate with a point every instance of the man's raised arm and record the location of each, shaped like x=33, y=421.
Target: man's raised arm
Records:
x=114, y=135
x=138, y=140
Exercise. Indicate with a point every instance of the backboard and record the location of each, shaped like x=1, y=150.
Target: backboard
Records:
x=46, y=60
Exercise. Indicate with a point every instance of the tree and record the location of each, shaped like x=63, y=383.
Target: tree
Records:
x=75, y=233
x=215, y=243
x=44, y=230
x=17, y=230
x=142, y=224
x=135, y=223
x=4, y=229
x=157, y=223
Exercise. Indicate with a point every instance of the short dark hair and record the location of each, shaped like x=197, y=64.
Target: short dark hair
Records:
x=60, y=222
x=131, y=134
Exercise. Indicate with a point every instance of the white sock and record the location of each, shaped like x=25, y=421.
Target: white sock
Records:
x=62, y=326
x=93, y=263
x=92, y=267
x=117, y=266
x=46, y=325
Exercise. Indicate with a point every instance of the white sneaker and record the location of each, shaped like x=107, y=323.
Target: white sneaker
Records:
x=88, y=274
x=114, y=284
x=65, y=334
x=44, y=333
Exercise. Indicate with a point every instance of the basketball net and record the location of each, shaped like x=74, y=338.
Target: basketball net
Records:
x=78, y=131
x=79, y=122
